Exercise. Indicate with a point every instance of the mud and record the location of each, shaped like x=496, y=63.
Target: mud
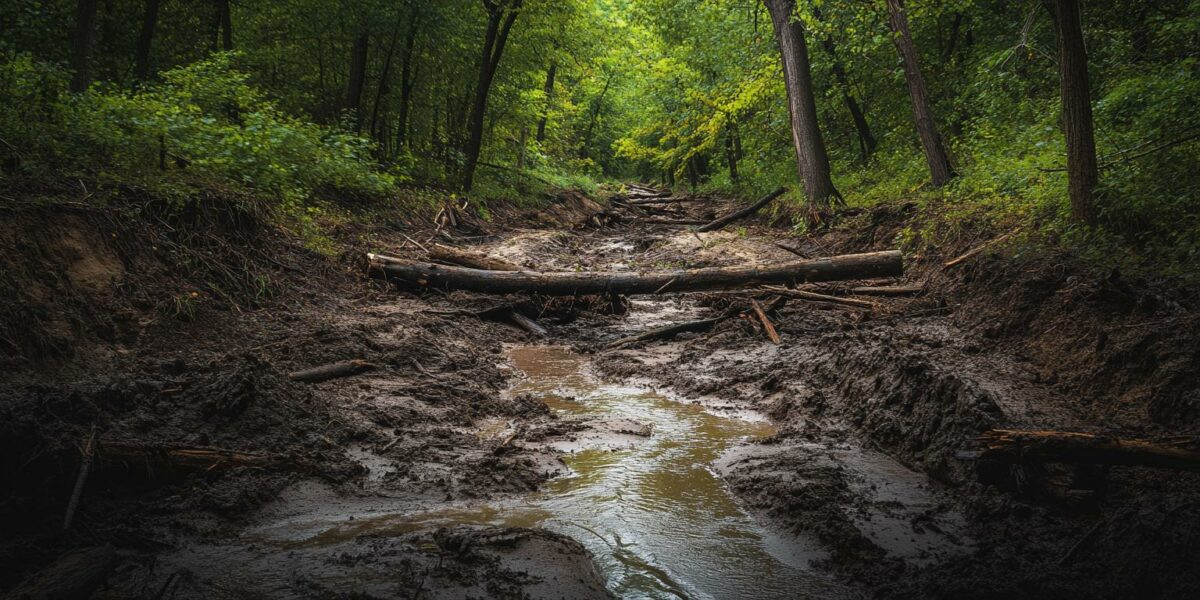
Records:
x=445, y=472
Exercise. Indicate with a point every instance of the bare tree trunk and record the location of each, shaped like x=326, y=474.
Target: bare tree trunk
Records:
x=524, y=141
x=931, y=141
x=384, y=87
x=548, y=92
x=83, y=35
x=407, y=77
x=358, y=77
x=501, y=15
x=811, y=158
x=731, y=157
x=1082, y=172
x=866, y=140
x=226, y=25
x=141, y=60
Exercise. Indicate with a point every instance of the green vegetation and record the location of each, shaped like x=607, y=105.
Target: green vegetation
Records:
x=295, y=106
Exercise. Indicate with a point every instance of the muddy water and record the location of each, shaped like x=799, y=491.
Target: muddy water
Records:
x=659, y=520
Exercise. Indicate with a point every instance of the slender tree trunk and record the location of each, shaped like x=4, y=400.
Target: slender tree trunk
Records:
x=226, y=25
x=493, y=48
x=731, y=157
x=407, y=77
x=597, y=107
x=931, y=141
x=141, y=60
x=866, y=140
x=548, y=92
x=811, y=158
x=384, y=87
x=1082, y=172
x=524, y=141
x=358, y=77
x=83, y=36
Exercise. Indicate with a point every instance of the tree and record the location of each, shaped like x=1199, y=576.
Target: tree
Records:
x=931, y=140
x=866, y=140
x=811, y=158
x=141, y=69
x=501, y=16
x=548, y=92
x=222, y=29
x=1082, y=171
x=83, y=36
x=358, y=77
x=407, y=75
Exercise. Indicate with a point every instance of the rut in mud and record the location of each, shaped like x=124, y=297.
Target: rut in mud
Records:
x=477, y=459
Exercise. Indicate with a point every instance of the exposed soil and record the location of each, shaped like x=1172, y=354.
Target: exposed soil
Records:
x=158, y=339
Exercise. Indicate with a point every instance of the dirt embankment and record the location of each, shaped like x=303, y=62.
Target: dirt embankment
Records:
x=167, y=339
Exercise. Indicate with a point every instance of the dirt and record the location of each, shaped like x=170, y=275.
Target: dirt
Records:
x=183, y=335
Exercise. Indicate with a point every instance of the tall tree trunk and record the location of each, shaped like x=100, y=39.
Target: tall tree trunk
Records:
x=358, y=77
x=731, y=157
x=384, y=87
x=866, y=140
x=524, y=141
x=811, y=158
x=226, y=25
x=597, y=107
x=931, y=141
x=407, y=78
x=83, y=35
x=141, y=60
x=548, y=93
x=499, y=11
x=1082, y=172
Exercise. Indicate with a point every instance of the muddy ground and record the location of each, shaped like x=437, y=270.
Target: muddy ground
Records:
x=142, y=342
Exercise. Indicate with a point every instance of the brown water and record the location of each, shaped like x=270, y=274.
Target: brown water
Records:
x=659, y=520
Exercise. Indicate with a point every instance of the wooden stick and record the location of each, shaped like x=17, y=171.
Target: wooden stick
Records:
x=85, y=467
x=762, y=316
x=820, y=297
x=670, y=331
x=332, y=371
x=745, y=212
x=978, y=249
x=895, y=290
x=527, y=324
x=656, y=221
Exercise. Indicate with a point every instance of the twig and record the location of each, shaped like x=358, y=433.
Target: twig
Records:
x=85, y=467
x=762, y=316
x=978, y=249
x=820, y=297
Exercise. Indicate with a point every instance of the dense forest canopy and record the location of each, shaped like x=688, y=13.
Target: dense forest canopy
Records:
x=975, y=105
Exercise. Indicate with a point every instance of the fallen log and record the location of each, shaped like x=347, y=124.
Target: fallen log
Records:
x=667, y=200
x=850, y=266
x=745, y=212
x=468, y=258
x=895, y=290
x=76, y=574
x=332, y=371
x=820, y=297
x=1071, y=447
x=527, y=324
x=670, y=331
x=672, y=221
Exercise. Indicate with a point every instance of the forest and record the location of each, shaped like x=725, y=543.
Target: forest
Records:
x=599, y=298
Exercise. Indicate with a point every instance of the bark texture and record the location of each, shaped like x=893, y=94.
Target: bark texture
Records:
x=501, y=16
x=1082, y=171
x=811, y=158
x=932, y=144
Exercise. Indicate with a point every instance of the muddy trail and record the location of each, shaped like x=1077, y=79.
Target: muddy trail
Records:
x=471, y=454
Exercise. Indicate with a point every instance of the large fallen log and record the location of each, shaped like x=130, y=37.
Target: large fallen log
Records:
x=468, y=258
x=1070, y=447
x=850, y=266
x=745, y=212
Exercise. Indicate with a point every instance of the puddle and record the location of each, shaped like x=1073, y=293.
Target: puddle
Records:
x=652, y=510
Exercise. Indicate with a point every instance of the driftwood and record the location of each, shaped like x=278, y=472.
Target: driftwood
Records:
x=802, y=295
x=468, y=258
x=766, y=323
x=332, y=371
x=745, y=212
x=851, y=266
x=670, y=331
x=895, y=290
x=76, y=574
x=1070, y=447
